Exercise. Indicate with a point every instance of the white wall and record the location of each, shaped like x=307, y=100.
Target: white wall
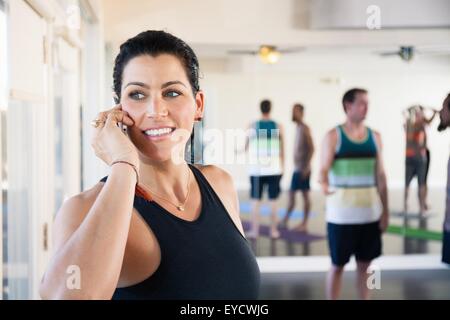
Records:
x=234, y=89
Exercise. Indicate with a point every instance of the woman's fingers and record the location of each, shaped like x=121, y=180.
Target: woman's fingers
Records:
x=127, y=120
x=101, y=118
x=108, y=142
x=115, y=115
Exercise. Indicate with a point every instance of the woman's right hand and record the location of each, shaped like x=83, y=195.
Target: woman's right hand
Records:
x=109, y=142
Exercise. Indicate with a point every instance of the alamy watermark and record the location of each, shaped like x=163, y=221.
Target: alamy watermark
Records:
x=232, y=146
x=374, y=279
x=73, y=19
x=73, y=281
x=374, y=19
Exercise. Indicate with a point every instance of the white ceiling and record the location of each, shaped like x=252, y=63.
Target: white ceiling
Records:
x=214, y=27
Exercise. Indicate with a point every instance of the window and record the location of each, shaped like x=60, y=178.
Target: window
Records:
x=3, y=75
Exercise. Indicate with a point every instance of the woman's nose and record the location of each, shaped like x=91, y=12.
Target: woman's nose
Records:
x=156, y=108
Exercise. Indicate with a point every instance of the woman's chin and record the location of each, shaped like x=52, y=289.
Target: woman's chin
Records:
x=162, y=156
x=163, y=150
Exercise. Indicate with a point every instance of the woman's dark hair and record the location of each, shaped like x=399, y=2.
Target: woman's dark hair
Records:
x=154, y=43
x=448, y=101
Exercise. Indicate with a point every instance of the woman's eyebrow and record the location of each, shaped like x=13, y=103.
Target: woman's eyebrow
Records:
x=141, y=84
x=171, y=83
x=165, y=85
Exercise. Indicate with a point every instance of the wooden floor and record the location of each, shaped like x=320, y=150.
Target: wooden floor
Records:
x=394, y=285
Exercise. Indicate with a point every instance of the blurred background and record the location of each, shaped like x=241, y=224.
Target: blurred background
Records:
x=56, y=61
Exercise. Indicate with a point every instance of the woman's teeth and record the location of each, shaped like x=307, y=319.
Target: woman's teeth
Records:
x=158, y=132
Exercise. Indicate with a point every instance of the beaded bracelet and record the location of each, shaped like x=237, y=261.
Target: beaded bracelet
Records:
x=132, y=165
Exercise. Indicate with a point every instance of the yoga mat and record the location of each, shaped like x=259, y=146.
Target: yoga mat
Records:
x=415, y=233
x=286, y=234
x=245, y=207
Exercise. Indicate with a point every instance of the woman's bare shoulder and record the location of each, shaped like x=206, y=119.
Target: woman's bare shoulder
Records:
x=215, y=174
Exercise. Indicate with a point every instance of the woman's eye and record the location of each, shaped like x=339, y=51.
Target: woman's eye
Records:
x=137, y=96
x=171, y=94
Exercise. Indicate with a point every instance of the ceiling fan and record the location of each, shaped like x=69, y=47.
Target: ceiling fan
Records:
x=407, y=53
x=268, y=54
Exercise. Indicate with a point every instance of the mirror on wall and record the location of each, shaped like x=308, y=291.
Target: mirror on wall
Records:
x=317, y=78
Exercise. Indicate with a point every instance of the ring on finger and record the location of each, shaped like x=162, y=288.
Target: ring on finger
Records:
x=97, y=122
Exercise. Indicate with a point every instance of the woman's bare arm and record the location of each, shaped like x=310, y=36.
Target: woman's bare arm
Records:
x=90, y=233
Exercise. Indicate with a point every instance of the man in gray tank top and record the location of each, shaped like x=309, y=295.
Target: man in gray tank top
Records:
x=444, y=124
x=303, y=152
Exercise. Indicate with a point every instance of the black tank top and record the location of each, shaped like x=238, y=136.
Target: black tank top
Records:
x=207, y=258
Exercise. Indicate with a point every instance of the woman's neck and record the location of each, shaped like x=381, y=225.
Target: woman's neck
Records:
x=165, y=178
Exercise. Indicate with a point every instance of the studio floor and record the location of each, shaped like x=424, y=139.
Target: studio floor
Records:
x=394, y=285
x=407, y=234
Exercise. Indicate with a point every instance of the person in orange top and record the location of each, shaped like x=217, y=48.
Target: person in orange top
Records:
x=417, y=154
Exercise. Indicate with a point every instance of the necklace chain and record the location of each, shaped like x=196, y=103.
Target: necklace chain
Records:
x=180, y=206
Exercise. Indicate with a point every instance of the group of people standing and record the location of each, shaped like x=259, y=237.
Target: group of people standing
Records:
x=266, y=147
x=352, y=177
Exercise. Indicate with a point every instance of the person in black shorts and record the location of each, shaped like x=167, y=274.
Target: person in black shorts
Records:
x=265, y=146
x=353, y=180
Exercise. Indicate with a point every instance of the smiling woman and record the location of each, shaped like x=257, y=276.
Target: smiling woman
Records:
x=155, y=97
x=156, y=227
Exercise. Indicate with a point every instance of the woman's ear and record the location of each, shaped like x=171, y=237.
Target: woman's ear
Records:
x=199, y=104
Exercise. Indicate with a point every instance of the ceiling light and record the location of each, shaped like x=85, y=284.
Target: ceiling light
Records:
x=269, y=54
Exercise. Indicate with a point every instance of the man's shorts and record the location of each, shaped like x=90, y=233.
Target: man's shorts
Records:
x=299, y=182
x=361, y=240
x=258, y=184
x=446, y=247
x=415, y=167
